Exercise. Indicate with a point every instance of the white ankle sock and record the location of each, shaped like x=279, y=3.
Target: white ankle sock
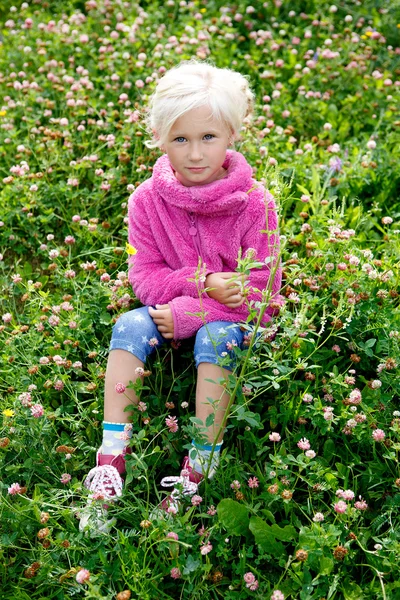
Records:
x=116, y=437
x=199, y=457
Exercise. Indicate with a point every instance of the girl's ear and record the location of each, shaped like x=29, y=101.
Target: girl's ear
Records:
x=155, y=134
x=157, y=137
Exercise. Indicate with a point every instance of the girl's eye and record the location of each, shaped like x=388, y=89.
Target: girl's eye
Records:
x=209, y=136
x=179, y=139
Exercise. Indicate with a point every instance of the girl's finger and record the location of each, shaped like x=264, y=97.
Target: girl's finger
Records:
x=158, y=320
x=230, y=292
x=234, y=286
x=157, y=311
x=234, y=298
x=231, y=304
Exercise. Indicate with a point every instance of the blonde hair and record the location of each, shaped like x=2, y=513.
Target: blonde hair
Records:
x=194, y=84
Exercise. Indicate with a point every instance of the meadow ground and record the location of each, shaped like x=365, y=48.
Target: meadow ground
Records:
x=306, y=502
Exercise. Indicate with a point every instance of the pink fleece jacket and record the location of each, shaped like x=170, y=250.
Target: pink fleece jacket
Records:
x=171, y=225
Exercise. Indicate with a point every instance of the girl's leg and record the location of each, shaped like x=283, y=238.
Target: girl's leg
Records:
x=129, y=348
x=206, y=390
x=121, y=368
x=213, y=342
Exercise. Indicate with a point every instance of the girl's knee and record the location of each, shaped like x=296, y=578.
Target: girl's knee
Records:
x=219, y=332
x=215, y=342
x=136, y=332
x=134, y=321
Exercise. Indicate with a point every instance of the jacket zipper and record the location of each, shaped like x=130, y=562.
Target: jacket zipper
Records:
x=193, y=232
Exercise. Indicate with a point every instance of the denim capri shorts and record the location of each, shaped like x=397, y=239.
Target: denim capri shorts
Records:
x=136, y=332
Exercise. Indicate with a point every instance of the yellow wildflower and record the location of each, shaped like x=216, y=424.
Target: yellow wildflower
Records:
x=2, y=113
x=130, y=249
x=8, y=412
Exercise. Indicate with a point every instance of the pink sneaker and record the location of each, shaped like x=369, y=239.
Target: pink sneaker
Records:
x=193, y=475
x=186, y=485
x=104, y=482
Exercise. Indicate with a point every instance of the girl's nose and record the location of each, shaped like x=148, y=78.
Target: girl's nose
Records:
x=195, y=152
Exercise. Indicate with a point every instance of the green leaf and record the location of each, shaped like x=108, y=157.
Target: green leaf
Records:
x=331, y=479
x=102, y=555
x=268, y=514
x=210, y=420
x=332, y=109
x=141, y=435
x=284, y=534
x=342, y=469
x=326, y=565
x=105, y=318
x=351, y=591
x=27, y=269
x=315, y=180
x=334, y=585
x=303, y=189
x=37, y=493
x=129, y=474
x=329, y=449
x=233, y=516
x=86, y=323
x=197, y=421
x=253, y=419
x=191, y=565
x=264, y=536
x=307, y=538
x=43, y=279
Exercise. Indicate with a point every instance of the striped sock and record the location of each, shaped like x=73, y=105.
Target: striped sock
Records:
x=199, y=457
x=116, y=437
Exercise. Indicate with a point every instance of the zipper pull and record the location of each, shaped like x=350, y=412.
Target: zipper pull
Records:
x=192, y=229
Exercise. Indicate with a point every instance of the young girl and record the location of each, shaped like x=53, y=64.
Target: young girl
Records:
x=200, y=204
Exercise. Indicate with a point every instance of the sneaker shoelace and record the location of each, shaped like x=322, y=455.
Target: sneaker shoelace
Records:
x=186, y=487
x=104, y=481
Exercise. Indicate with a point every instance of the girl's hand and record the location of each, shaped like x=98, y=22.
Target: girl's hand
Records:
x=162, y=317
x=224, y=290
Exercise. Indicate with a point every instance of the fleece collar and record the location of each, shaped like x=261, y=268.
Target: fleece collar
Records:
x=227, y=195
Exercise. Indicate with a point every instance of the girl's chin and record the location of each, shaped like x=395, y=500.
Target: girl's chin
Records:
x=191, y=177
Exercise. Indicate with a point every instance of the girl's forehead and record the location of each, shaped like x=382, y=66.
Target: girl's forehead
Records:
x=198, y=119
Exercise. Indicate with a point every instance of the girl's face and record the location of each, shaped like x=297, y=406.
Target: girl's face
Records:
x=196, y=147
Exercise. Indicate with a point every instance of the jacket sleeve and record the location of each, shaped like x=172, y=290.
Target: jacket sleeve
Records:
x=152, y=280
x=262, y=240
